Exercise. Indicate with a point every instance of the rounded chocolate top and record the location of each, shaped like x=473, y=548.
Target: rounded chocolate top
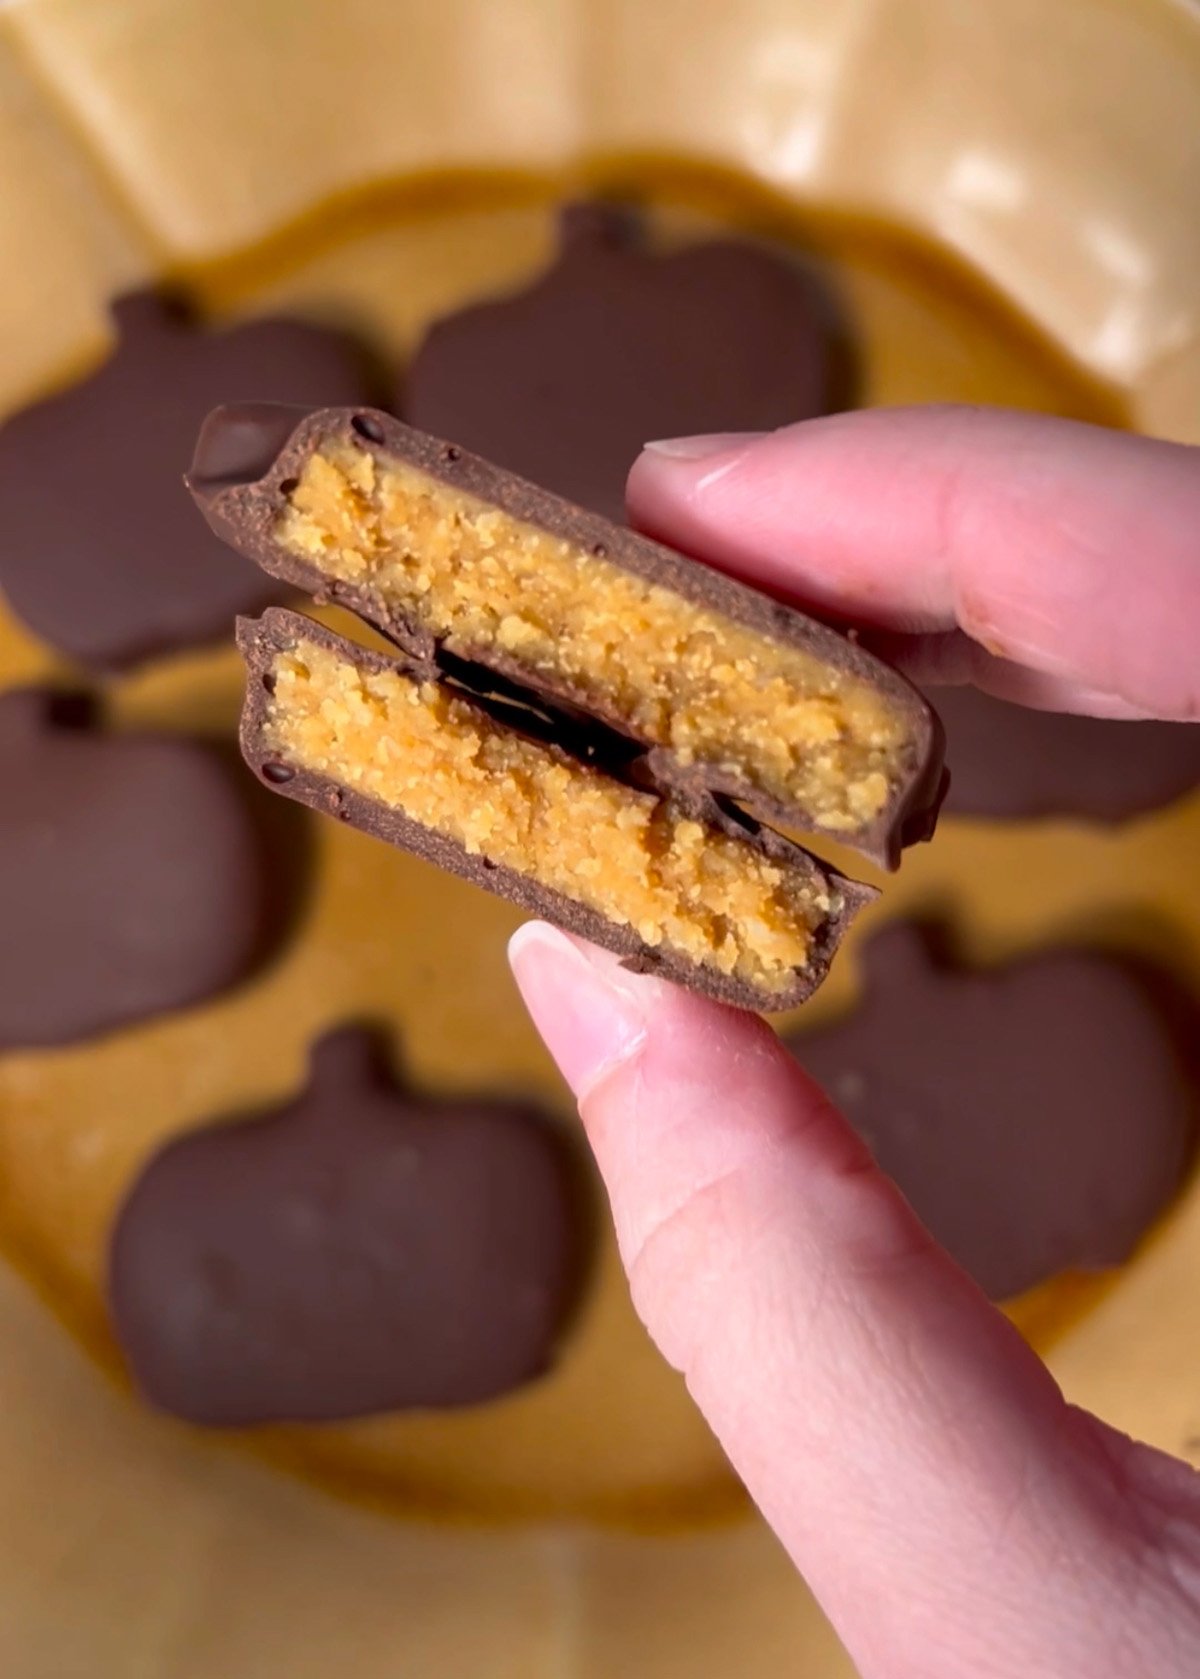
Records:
x=615, y=345
x=359, y=1249
x=1037, y=1116
x=1012, y=763
x=132, y=876
x=103, y=555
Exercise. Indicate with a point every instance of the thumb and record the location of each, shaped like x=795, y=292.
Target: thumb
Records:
x=950, y=1511
x=1068, y=552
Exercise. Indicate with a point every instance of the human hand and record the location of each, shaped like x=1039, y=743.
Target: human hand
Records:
x=955, y=1516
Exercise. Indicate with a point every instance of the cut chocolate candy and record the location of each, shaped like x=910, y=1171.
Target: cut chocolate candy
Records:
x=360, y=1249
x=727, y=691
x=1038, y=1115
x=617, y=342
x=548, y=816
x=132, y=876
x=102, y=556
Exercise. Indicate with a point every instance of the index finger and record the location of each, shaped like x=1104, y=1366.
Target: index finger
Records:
x=1071, y=550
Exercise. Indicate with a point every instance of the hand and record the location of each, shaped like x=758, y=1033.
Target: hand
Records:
x=955, y=1516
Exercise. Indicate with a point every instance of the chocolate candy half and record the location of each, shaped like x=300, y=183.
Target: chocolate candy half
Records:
x=725, y=690
x=540, y=812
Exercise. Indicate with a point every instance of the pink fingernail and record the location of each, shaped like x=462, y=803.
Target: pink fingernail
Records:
x=580, y=1000
x=701, y=448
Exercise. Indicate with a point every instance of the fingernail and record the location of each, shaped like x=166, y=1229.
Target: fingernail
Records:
x=701, y=448
x=580, y=1000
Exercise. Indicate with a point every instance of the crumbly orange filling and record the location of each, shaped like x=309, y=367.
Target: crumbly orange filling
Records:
x=422, y=749
x=678, y=675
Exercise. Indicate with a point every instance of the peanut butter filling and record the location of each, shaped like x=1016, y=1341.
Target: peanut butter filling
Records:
x=422, y=749
x=677, y=675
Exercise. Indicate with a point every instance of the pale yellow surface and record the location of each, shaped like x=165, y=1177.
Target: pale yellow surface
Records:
x=130, y=1547
x=166, y=1558
x=1040, y=170
x=64, y=244
x=216, y=124
x=980, y=123
x=674, y=674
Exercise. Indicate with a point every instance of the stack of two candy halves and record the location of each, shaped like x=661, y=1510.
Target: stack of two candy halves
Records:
x=568, y=713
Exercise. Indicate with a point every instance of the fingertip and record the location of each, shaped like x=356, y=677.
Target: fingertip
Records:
x=590, y=1013
x=674, y=475
x=705, y=446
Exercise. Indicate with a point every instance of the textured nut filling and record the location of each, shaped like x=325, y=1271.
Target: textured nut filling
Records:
x=423, y=750
x=678, y=675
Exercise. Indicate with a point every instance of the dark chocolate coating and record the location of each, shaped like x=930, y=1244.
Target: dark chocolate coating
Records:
x=102, y=556
x=278, y=629
x=616, y=344
x=1012, y=763
x=1038, y=1116
x=244, y=506
x=132, y=879
x=360, y=1249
